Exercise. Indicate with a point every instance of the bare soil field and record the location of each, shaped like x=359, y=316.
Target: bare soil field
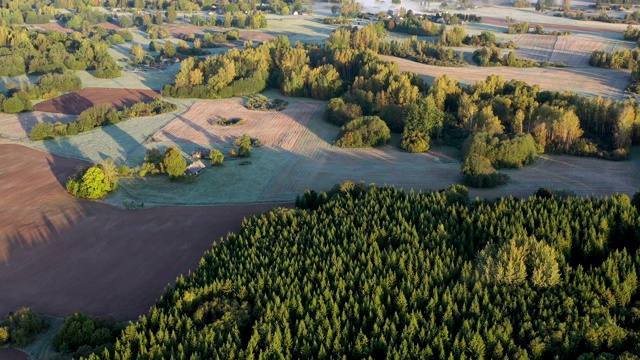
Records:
x=77, y=102
x=12, y=354
x=18, y=126
x=109, y=26
x=59, y=254
x=277, y=129
x=571, y=49
x=55, y=26
x=587, y=81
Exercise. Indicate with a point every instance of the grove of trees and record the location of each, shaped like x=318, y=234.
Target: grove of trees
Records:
x=35, y=52
x=378, y=273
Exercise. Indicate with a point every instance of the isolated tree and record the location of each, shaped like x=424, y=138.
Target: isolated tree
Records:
x=125, y=21
x=159, y=18
x=169, y=50
x=217, y=158
x=138, y=53
x=93, y=184
x=173, y=163
x=172, y=15
x=566, y=5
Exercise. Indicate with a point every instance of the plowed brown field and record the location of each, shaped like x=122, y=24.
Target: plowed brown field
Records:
x=59, y=254
x=77, y=102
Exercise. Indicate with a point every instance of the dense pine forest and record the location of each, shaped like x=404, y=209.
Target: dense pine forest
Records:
x=368, y=272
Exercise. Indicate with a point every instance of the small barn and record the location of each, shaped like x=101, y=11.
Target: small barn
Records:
x=195, y=169
x=201, y=153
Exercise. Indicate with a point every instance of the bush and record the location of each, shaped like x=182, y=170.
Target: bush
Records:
x=366, y=131
x=42, y=131
x=261, y=102
x=339, y=113
x=477, y=171
x=245, y=144
x=91, y=183
x=13, y=105
x=4, y=335
x=107, y=69
x=232, y=35
x=217, y=158
x=518, y=28
x=415, y=141
x=24, y=325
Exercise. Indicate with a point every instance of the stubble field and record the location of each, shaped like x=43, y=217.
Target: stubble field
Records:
x=587, y=81
x=570, y=49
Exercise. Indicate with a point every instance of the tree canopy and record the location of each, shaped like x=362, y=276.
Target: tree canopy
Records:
x=375, y=272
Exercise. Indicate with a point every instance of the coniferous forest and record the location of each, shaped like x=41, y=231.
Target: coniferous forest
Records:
x=369, y=272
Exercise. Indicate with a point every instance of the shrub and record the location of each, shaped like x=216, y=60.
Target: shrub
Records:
x=13, y=105
x=24, y=325
x=339, y=113
x=97, y=115
x=232, y=35
x=518, y=28
x=107, y=69
x=228, y=122
x=42, y=131
x=92, y=184
x=415, y=141
x=4, y=335
x=245, y=146
x=126, y=35
x=261, y=102
x=367, y=131
x=217, y=158
x=477, y=171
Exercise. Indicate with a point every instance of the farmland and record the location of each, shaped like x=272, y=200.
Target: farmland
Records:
x=77, y=102
x=587, y=81
x=126, y=257
x=18, y=126
x=114, y=256
x=573, y=50
x=298, y=155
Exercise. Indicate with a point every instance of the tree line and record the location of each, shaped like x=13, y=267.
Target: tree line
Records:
x=365, y=272
x=100, y=115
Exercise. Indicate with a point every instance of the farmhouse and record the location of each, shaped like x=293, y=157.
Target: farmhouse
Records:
x=195, y=169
